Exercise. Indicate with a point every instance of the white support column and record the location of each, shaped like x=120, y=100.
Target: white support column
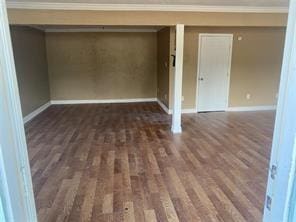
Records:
x=177, y=95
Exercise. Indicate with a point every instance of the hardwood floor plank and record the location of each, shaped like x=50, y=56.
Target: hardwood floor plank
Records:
x=129, y=215
x=150, y=216
x=88, y=202
x=120, y=162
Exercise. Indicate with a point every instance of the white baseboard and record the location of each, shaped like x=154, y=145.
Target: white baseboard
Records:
x=176, y=130
x=164, y=107
x=99, y=101
x=250, y=108
x=36, y=112
x=170, y=111
x=188, y=111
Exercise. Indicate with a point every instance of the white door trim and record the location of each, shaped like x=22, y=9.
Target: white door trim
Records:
x=198, y=65
x=19, y=192
x=6, y=213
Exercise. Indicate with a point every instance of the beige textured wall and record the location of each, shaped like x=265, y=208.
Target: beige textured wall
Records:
x=256, y=64
x=102, y=65
x=31, y=67
x=163, y=65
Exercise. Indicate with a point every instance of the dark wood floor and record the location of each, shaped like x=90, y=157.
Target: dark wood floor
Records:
x=120, y=162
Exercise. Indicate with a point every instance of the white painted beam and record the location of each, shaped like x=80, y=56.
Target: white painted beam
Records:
x=144, y=7
x=178, y=75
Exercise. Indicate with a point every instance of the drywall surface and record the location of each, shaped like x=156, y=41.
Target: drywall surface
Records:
x=255, y=69
x=163, y=65
x=31, y=67
x=102, y=65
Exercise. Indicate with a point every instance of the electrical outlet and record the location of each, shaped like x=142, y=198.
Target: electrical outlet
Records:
x=240, y=38
x=248, y=96
x=165, y=96
x=182, y=98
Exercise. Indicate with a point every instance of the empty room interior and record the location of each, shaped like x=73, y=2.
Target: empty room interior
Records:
x=102, y=92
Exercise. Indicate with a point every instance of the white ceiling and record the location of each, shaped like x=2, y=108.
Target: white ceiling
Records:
x=223, y=3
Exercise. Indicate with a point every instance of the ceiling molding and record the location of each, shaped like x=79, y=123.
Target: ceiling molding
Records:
x=144, y=7
x=98, y=30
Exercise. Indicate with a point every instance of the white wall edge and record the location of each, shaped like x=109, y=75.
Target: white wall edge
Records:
x=19, y=196
x=143, y=7
x=250, y=108
x=170, y=111
x=95, y=101
x=36, y=112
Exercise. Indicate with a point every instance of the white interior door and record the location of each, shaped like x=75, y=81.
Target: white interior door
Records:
x=214, y=71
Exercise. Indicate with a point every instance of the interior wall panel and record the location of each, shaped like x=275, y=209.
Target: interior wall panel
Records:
x=31, y=67
x=109, y=65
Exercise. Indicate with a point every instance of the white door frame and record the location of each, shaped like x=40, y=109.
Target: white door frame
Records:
x=283, y=157
x=198, y=65
x=18, y=192
x=15, y=176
